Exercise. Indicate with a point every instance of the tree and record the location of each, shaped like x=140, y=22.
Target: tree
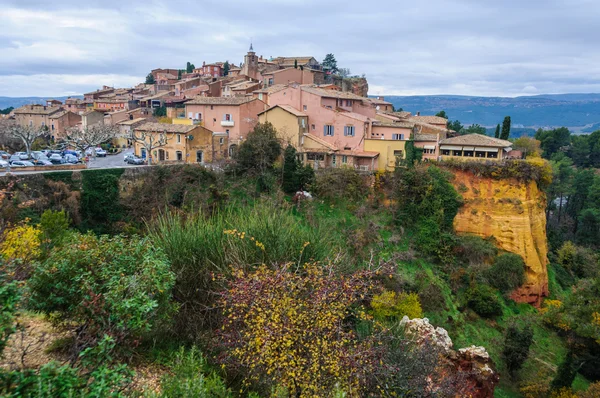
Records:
x=507, y=273
x=553, y=141
x=90, y=137
x=330, y=63
x=296, y=64
x=161, y=111
x=497, y=133
x=150, y=79
x=189, y=67
x=344, y=72
x=260, y=150
x=226, y=68
x=179, y=74
x=475, y=129
x=150, y=140
x=566, y=373
x=516, y=347
x=6, y=111
x=442, y=114
x=26, y=134
x=456, y=126
x=413, y=154
x=290, y=183
x=528, y=145
x=505, y=128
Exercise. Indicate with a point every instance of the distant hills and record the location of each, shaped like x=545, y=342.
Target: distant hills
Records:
x=16, y=102
x=579, y=112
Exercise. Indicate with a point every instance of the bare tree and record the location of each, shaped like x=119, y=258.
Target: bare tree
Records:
x=90, y=137
x=150, y=140
x=27, y=135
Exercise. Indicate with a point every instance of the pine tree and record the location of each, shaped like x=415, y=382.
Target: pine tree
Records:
x=497, y=133
x=226, y=68
x=330, y=63
x=290, y=183
x=566, y=373
x=150, y=79
x=296, y=63
x=505, y=128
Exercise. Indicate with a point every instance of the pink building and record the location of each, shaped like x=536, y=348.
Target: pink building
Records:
x=235, y=116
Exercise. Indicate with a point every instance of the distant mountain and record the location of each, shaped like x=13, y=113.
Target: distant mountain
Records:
x=16, y=102
x=576, y=111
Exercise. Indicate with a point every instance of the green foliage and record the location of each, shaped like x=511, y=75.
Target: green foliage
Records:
x=340, y=183
x=389, y=305
x=578, y=260
x=200, y=247
x=442, y=114
x=553, y=141
x=497, y=133
x=516, y=347
x=566, y=373
x=150, y=79
x=113, y=286
x=54, y=226
x=100, y=199
x=9, y=298
x=95, y=378
x=505, y=134
x=258, y=153
x=475, y=250
x=456, y=126
x=6, y=111
x=507, y=273
x=161, y=111
x=483, y=300
x=475, y=129
x=190, y=376
x=226, y=68
x=413, y=154
x=189, y=68
x=290, y=183
x=330, y=63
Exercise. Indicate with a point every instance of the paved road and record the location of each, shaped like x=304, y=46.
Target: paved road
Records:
x=110, y=161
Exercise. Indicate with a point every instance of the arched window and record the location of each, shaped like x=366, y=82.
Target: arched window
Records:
x=232, y=150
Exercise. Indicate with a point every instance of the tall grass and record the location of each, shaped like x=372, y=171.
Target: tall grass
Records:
x=201, y=247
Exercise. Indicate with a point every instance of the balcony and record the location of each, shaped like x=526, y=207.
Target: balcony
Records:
x=227, y=123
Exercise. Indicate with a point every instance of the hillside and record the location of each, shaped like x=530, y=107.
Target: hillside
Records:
x=575, y=111
x=16, y=102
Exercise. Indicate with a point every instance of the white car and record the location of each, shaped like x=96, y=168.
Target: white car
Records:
x=101, y=153
x=3, y=164
x=22, y=155
x=21, y=163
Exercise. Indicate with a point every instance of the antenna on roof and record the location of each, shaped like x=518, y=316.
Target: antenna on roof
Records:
x=251, y=49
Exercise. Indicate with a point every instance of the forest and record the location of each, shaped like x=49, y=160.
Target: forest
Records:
x=177, y=281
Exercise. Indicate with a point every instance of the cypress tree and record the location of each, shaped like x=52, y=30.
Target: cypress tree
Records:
x=505, y=128
x=290, y=183
x=497, y=133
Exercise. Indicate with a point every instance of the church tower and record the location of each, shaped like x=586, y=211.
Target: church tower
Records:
x=250, y=68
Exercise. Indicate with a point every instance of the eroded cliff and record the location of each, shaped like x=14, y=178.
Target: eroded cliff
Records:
x=513, y=213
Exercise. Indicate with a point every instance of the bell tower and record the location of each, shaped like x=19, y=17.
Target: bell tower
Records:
x=250, y=68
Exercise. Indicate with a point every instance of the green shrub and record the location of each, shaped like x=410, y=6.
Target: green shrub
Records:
x=484, y=301
x=108, y=285
x=190, y=376
x=507, y=273
x=199, y=247
x=432, y=297
x=340, y=183
x=259, y=151
x=565, y=373
x=475, y=250
x=516, y=347
x=54, y=226
x=100, y=206
x=389, y=305
x=9, y=297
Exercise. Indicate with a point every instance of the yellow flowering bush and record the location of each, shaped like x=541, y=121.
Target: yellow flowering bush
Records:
x=288, y=328
x=22, y=242
x=391, y=305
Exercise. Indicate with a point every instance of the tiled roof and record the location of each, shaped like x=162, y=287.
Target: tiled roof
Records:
x=219, y=100
x=429, y=119
x=401, y=114
x=426, y=137
x=360, y=154
x=291, y=60
x=401, y=125
x=287, y=108
x=476, y=140
x=58, y=115
x=130, y=122
x=244, y=85
x=432, y=126
x=169, y=128
x=331, y=93
x=36, y=110
x=272, y=89
x=378, y=101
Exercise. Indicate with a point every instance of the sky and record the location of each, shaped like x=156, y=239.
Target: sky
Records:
x=426, y=47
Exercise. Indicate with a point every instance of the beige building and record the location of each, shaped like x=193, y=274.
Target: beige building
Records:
x=474, y=147
x=185, y=143
x=53, y=118
x=291, y=124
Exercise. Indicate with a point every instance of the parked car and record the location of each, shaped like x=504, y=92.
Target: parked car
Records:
x=22, y=155
x=42, y=162
x=55, y=158
x=4, y=164
x=21, y=163
x=46, y=152
x=101, y=153
x=4, y=155
x=71, y=159
x=134, y=160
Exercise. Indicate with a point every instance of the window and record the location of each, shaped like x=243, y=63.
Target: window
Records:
x=227, y=131
x=303, y=123
x=446, y=152
x=333, y=159
x=349, y=131
x=221, y=141
x=52, y=127
x=199, y=116
x=429, y=151
x=199, y=157
x=399, y=154
x=270, y=81
x=43, y=124
x=31, y=123
x=348, y=103
x=328, y=130
x=260, y=96
x=312, y=126
x=304, y=107
x=179, y=138
x=179, y=155
x=212, y=107
x=398, y=137
x=315, y=156
x=227, y=117
x=456, y=153
x=344, y=159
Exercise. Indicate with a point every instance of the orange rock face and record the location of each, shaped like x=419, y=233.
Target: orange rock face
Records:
x=514, y=214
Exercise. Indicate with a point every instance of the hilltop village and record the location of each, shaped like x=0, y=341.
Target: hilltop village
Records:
x=202, y=115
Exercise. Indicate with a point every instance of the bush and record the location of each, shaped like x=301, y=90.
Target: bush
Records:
x=9, y=297
x=474, y=250
x=484, y=301
x=389, y=305
x=340, y=183
x=200, y=246
x=507, y=273
x=54, y=226
x=259, y=151
x=21, y=242
x=100, y=207
x=565, y=374
x=191, y=377
x=516, y=347
x=580, y=261
x=288, y=327
x=113, y=286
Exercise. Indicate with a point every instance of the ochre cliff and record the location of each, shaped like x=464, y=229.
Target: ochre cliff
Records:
x=513, y=213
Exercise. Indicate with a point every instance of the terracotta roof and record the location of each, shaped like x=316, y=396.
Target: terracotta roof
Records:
x=476, y=140
x=272, y=89
x=331, y=93
x=130, y=122
x=401, y=114
x=360, y=154
x=37, y=110
x=291, y=60
x=287, y=108
x=91, y=111
x=426, y=137
x=169, y=128
x=58, y=114
x=400, y=125
x=432, y=126
x=378, y=101
x=244, y=85
x=219, y=100
x=320, y=141
x=429, y=119
x=286, y=69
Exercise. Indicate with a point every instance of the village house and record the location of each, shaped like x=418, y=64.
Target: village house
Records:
x=113, y=118
x=235, y=116
x=474, y=147
x=240, y=88
x=52, y=118
x=185, y=143
x=75, y=105
x=60, y=122
x=94, y=95
x=264, y=93
x=190, y=87
x=381, y=105
x=156, y=72
x=429, y=143
x=297, y=75
x=304, y=62
x=91, y=118
x=212, y=70
x=125, y=127
x=111, y=105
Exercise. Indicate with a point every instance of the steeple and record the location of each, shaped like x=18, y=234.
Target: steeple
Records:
x=251, y=49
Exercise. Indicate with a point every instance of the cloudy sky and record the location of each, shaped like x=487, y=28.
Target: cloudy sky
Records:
x=468, y=47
